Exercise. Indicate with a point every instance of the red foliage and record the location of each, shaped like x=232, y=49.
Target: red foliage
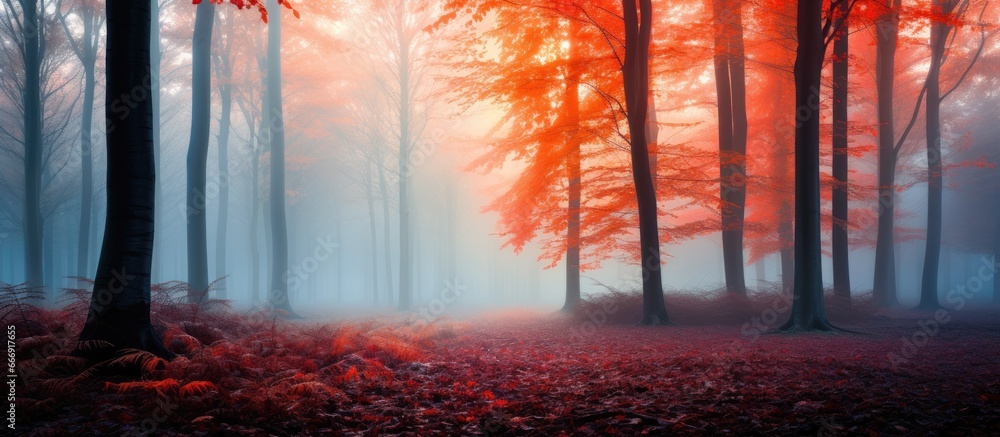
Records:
x=517, y=374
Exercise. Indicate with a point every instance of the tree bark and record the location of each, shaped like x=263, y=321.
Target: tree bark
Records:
x=884, y=284
x=730, y=85
x=276, y=122
x=225, y=121
x=405, y=266
x=571, y=102
x=635, y=70
x=154, y=61
x=197, y=157
x=119, y=308
x=932, y=250
x=33, y=225
x=383, y=184
x=808, y=312
x=840, y=248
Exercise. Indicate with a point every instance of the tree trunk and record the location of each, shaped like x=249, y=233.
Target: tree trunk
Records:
x=730, y=85
x=255, y=223
x=86, y=164
x=276, y=121
x=386, y=229
x=197, y=157
x=884, y=284
x=119, y=308
x=32, y=147
x=225, y=121
x=808, y=312
x=932, y=250
x=370, y=198
x=635, y=70
x=154, y=60
x=571, y=102
x=841, y=267
x=405, y=266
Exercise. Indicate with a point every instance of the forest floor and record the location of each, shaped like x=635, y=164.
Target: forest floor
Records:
x=522, y=373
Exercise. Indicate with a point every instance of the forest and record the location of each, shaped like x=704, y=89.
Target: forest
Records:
x=500, y=217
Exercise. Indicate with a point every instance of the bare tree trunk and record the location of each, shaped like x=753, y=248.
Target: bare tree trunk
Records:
x=932, y=251
x=730, y=85
x=225, y=121
x=154, y=59
x=197, y=157
x=405, y=252
x=370, y=198
x=276, y=121
x=386, y=229
x=840, y=248
x=119, y=309
x=808, y=312
x=635, y=70
x=33, y=225
x=884, y=285
x=571, y=101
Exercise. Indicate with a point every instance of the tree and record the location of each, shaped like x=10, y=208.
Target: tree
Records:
x=119, y=307
x=941, y=27
x=808, y=311
x=85, y=49
x=884, y=283
x=197, y=157
x=730, y=83
x=840, y=248
x=33, y=224
x=275, y=117
x=635, y=78
x=224, y=71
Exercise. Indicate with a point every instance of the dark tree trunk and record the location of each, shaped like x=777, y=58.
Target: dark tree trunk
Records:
x=119, y=308
x=276, y=121
x=33, y=226
x=154, y=60
x=571, y=100
x=730, y=86
x=635, y=70
x=884, y=285
x=840, y=248
x=405, y=252
x=808, y=312
x=932, y=251
x=221, y=230
x=197, y=157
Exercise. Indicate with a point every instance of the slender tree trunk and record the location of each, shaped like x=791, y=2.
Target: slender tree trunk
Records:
x=225, y=121
x=571, y=102
x=197, y=157
x=884, y=285
x=760, y=273
x=808, y=312
x=87, y=166
x=255, y=224
x=730, y=85
x=154, y=60
x=932, y=250
x=635, y=70
x=119, y=309
x=276, y=121
x=405, y=252
x=386, y=229
x=840, y=248
x=370, y=198
x=33, y=226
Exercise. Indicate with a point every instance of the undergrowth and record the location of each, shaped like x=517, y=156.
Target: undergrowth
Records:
x=247, y=368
